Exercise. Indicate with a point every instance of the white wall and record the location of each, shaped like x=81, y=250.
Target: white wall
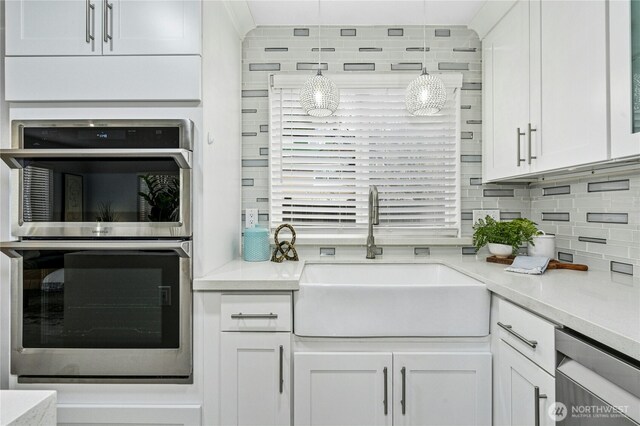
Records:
x=217, y=214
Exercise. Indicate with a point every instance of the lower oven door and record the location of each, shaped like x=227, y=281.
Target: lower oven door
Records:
x=101, y=309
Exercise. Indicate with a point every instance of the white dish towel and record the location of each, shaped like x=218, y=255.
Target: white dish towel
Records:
x=532, y=265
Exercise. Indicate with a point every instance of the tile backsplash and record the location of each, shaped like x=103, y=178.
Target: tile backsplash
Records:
x=268, y=50
x=595, y=220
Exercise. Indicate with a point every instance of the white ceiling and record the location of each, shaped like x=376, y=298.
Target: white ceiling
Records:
x=363, y=12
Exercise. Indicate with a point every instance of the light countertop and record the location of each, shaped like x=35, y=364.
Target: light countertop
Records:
x=602, y=305
x=27, y=407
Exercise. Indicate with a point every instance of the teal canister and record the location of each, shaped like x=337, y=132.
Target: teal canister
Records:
x=256, y=244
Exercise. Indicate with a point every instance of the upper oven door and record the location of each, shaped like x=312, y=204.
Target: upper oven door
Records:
x=115, y=179
x=87, y=308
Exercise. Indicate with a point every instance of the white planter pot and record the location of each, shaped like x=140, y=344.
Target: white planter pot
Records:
x=500, y=250
x=545, y=246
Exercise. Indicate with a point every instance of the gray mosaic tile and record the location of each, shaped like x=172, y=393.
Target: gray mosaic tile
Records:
x=556, y=216
x=255, y=93
x=466, y=158
x=301, y=32
x=497, y=192
x=612, y=185
x=421, y=251
x=407, y=66
x=255, y=163
x=359, y=67
x=621, y=267
x=303, y=66
x=395, y=32
x=370, y=49
x=264, y=67
x=565, y=257
x=622, y=218
x=592, y=240
x=454, y=66
x=556, y=190
x=348, y=32
x=442, y=32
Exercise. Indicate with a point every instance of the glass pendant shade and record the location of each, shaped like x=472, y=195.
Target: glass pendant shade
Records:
x=425, y=95
x=319, y=96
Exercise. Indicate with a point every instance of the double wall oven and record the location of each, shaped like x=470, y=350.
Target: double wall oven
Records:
x=101, y=270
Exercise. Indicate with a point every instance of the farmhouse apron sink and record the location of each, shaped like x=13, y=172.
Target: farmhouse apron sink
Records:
x=389, y=300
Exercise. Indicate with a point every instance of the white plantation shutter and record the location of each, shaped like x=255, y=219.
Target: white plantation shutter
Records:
x=321, y=168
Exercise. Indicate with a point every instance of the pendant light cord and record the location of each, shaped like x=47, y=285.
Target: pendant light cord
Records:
x=319, y=41
x=424, y=35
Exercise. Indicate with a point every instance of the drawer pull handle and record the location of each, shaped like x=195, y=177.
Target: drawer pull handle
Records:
x=281, y=373
x=537, y=396
x=509, y=329
x=519, y=160
x=240, y=315
x=403, y=400
x=385, y=401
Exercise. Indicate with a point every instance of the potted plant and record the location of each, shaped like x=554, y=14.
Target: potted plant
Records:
x=106, y=213
x=503, y=238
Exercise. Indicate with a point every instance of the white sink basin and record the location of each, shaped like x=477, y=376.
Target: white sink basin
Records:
x=384, y=300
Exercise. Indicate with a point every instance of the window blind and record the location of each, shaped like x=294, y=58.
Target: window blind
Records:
x=321, y=168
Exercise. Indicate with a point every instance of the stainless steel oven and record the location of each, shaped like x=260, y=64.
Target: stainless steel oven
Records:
x=101, y=310
x=101, y=178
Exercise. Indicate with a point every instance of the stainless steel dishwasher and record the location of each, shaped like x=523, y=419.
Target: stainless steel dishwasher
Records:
x=594, y=385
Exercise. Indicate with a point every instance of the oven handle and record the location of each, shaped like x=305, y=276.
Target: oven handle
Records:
x=10, y=248
x=13, y=157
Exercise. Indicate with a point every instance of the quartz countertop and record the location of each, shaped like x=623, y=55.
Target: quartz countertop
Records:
x=27, y=407
x=602, y=305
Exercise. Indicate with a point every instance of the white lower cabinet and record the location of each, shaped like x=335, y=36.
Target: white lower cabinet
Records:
x=255, y=378
x=343, y=388
x=442, y=389
x=383, y=388
x=526, y=391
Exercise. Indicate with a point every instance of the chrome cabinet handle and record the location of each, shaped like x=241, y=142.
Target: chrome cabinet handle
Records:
x=509, y=329
x=91, y=8
x=537, y=396
x=529, y=131
x=518, y=159
x=240, y=315
x=385, y=401
x=108, y=7
x=403, y=400
x=281, y=368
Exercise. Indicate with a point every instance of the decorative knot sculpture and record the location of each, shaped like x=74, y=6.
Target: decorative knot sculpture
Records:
x=284, y=249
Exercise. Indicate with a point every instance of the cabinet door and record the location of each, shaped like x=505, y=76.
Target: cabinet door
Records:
x=506, y=94
x=624, y=69
x=143, y=27
x=342, y=389
x=255, y=379
x=53, y=28
x=526, y=391
x=442, y=389
x=568, y=83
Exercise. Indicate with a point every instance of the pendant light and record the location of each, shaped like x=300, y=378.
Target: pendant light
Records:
x=426, y=94
x=319, y=96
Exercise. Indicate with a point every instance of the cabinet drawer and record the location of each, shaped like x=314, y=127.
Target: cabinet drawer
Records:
x=256, y=312
x=530, y=334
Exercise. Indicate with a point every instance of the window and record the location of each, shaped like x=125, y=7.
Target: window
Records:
x=321, y=168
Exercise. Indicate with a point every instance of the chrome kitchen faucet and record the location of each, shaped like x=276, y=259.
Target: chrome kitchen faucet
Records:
x=374, y=219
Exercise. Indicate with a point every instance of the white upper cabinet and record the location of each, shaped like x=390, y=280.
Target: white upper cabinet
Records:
x=624, y=57
x=103, y=27
x=144, y=27
x=63, y=27
x=505, y=59
x=568, y=84
x=545, y=88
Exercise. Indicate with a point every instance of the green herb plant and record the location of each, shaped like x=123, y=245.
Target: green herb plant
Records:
x=513, y=233
x=162, y=197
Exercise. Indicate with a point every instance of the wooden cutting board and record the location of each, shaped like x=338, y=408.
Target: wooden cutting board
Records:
x=553, y=264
